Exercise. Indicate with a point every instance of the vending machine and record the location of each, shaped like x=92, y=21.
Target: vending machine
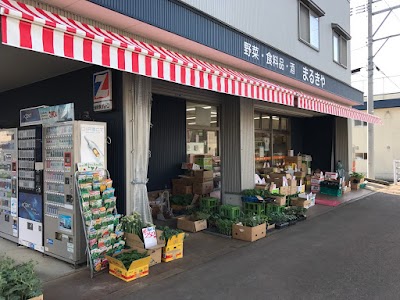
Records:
x=30, y=192
x=65, y=145
x=8, y=184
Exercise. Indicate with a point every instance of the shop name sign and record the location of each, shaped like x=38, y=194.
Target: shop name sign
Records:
x=102, y=91
x=283, y=64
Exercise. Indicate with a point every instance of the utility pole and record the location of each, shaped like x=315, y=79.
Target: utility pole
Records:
x=370, y=103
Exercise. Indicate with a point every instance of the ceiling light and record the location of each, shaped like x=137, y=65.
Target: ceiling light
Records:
x=206, y=107
x=266, y=117
x=213, y=112
x=194, y=123
x=190, y=118
x=191, y=109
x=213, y=122
x=275, y=118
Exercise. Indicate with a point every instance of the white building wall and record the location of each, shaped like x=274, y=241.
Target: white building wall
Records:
x=276, y=23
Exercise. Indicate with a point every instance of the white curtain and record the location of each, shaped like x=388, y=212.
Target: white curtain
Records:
x=141, y=117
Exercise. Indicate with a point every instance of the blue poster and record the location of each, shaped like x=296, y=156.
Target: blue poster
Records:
x=30, y=207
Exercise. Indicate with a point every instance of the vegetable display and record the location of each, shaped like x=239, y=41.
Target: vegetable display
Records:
x=133, y=224
x=253, y=221
x=169, y=232
x=128, y=257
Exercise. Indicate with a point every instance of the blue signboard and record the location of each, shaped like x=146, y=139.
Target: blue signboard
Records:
x=30, y=207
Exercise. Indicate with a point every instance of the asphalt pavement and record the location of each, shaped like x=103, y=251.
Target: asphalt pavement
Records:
x=352, y=252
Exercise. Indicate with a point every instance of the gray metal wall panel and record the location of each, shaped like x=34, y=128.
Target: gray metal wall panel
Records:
x=342, y=143
x=247, y=143
x=230, y=145
x=260, y=19
x=167, y=141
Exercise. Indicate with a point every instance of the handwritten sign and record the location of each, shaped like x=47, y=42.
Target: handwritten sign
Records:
x=149, y=237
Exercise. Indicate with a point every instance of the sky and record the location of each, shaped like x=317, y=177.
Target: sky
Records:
x=387, y=80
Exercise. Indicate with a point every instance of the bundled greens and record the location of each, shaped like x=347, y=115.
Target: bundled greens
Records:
x=169, y=232
x=252, y=221
x=18, y=281
x=128, y=257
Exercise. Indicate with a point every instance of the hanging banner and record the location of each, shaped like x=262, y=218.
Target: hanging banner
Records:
x=30, y=116
x=56, y=114
x=102, y=92
x=93, y=144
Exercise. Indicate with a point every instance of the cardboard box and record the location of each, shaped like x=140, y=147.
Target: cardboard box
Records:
x=300, y=202
x=298, y=160
x=172, y=252
x=277, y=181
x=249, y=234
x=279, y=200
x=202, y=174
x=37, y=298
x=270, y=226
x=204, y=161
x=178, y=189
x=284, y=190
x=202, y=188
x=137, y=269
x=186, y=224
x=292, y=182
x=315, y=188
x=331, y=175
x=315, y=181
x=355, y=186
x=261, y=186
x=293, y=190
x=134, y=241
x=300, y=174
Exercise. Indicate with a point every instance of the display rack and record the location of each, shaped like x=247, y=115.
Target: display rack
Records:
x=103, y=234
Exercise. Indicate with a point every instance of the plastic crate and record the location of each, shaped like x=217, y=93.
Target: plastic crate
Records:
x=275, y=208
x=209, y=204
x=331, y=192
x=253, y=208
x=230, y=212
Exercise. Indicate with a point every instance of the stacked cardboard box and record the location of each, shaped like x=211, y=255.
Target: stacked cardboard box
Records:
x=204, y=161
x=200, y=183
x=315, y=182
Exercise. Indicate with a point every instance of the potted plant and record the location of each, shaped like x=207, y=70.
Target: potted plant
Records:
x=19, y=281
x=355, y=180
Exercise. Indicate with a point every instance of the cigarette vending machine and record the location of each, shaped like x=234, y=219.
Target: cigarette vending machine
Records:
x=30, y=193
x=8, y=184
x=65, y=145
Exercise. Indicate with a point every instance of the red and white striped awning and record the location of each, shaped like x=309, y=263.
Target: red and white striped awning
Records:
x=27, y=27
x=326, y=107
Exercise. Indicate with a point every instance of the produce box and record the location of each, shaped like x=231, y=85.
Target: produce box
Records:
x=301, y=188
x=138, y=268
x=315, y=188
x=203, y=188
x=204, y=161
x=300, y=174
x=186, y=224
x=293, y=189
x=203, y=175
x=300, y=202
x=134, y=241
x=355, y=186
x=298, y=160
x=182, y=189
x=172, y=252
x=249, y=234
x=284, y=190
x=279, y=200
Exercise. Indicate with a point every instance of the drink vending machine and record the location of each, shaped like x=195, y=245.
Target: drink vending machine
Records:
x=30, y=194
x=8, y=184
x=65, y=145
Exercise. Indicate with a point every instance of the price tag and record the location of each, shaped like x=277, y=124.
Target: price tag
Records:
x=150, y=237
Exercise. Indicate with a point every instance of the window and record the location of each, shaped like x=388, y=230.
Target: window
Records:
x=361, y=156
x=202, y=129
x=309, y=14
x=340, y=38
x=360, y=123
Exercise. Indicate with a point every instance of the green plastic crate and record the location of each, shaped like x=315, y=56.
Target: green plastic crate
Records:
x=331, y=192
x=230, y=212
x=275, y=208
x=250, y=208
x=209, y=204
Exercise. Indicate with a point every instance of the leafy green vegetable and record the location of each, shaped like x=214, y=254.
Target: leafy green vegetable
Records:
x=128, y=257
x=169, y=232
x=255, y=220
x=18, y=281
x=357, y=175
x=183, y=200
x=224, y=226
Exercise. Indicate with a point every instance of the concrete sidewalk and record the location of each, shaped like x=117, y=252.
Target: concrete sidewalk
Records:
x=199, y=248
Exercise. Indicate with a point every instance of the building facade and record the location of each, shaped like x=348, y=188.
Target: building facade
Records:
x=242, y=84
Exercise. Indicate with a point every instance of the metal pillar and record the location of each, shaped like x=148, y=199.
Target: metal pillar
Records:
x=370, y=103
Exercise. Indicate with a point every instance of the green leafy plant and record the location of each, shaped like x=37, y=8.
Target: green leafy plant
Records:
x=255, y=220
x=277, y=217
x=169, y=232
x=199, y=215
x=183, y=200
x=224, y=226
x=357, y=175
x=18, y=281
x=128, y=257
x=133, y=224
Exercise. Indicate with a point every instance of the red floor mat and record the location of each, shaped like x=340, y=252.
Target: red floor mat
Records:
x=327, y=202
